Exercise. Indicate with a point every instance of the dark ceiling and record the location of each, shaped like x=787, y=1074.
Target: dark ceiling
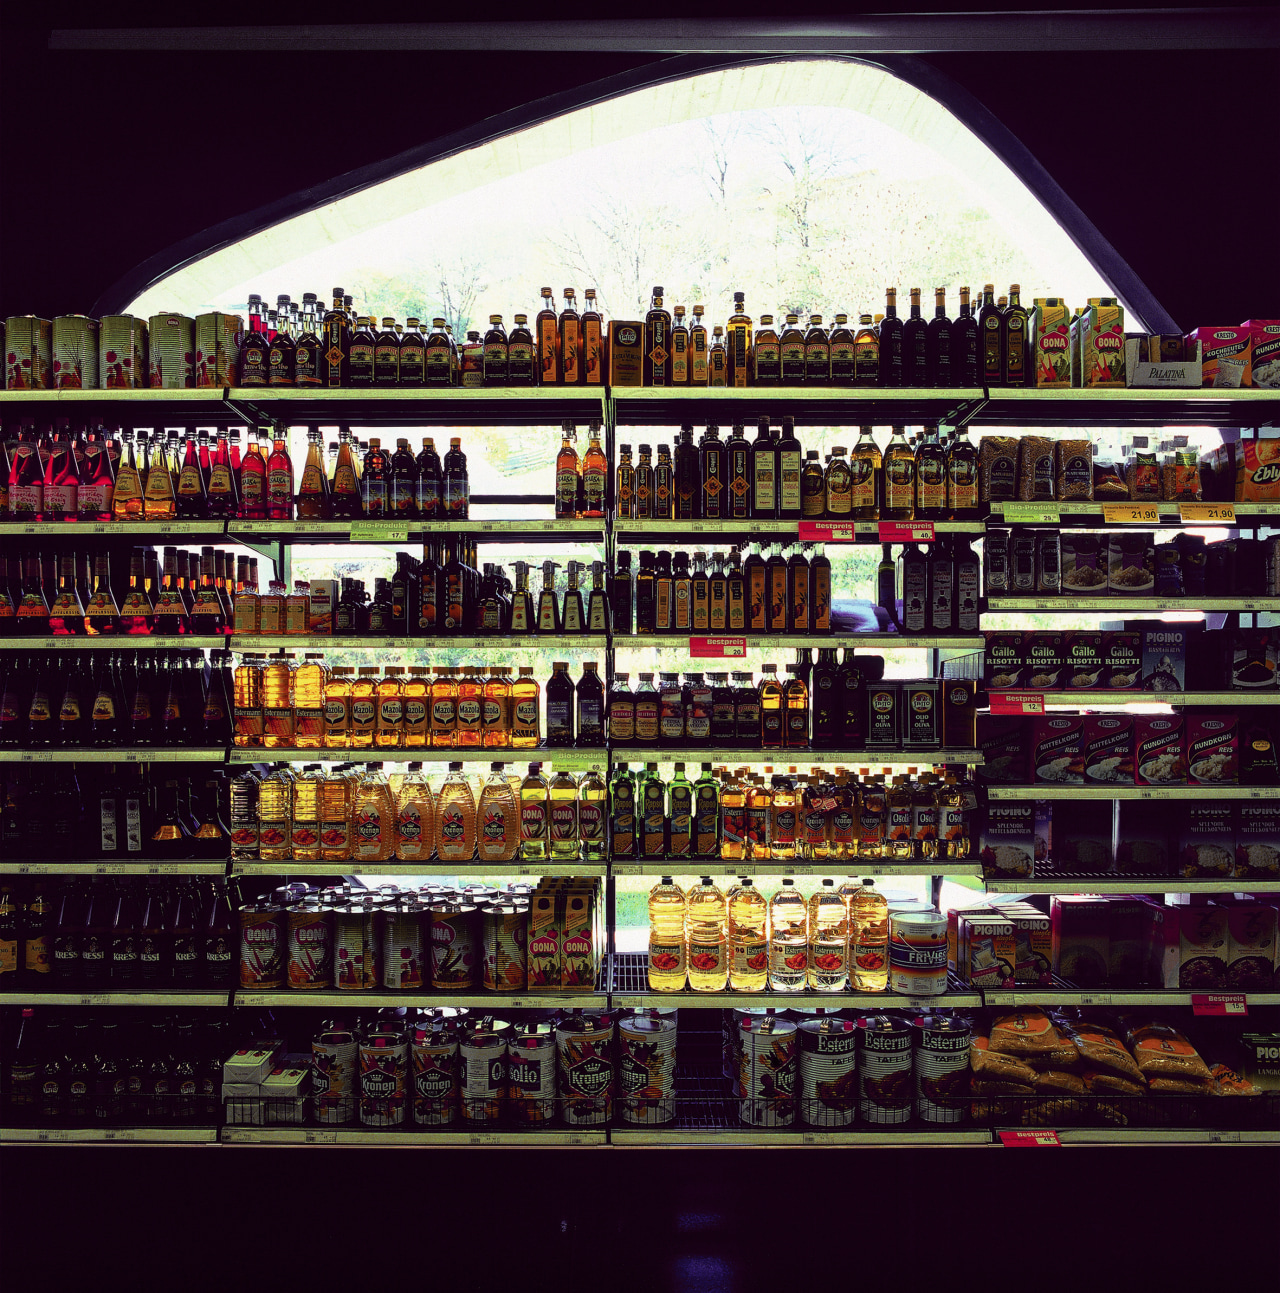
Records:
x=113, y=156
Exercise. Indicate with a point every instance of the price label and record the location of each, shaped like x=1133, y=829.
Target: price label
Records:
x=630, y=868
x=329, y=1137
x=828, y=532
x=515, y=1002
x=51, y=1134
x=718, y=648
x=1032, y=513
x=574, y=762
x=377, y=532
x=483, y=1138
x=109, y=868
x=579, y=1138
x=817, y=1138
x=906, y=532
x=95, y=999
x=1017, y=702
x=1095, y=999
x=36, y=756
x=120, y=1135
x=232, y=1135
x=1219, y=1003
x=1210, y=513
x=1012, y=1138
x=1224, y=1138
x=1131, y=513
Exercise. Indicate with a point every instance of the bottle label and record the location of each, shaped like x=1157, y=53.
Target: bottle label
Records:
x=364, y=712
x=784, y=826
x=622, y=720
x=566, y=492
x=899, y=822
x=748, y=957
x=591, y=821
x=444, y=713
x=787, y=960
x=842, y=827
x=391, y=713
x=95, y=499
x=25, y=500
x=733, y=823
x=415, y=715
x=666, y=958
x=469, y=714
x=706, y=958
x=109, y=840
x=646, y=721
x=533, y=821
x=526, y=714
x=367, y=826
x=830, y=962
x=564, y=820
x=623, y=824
x=409, y=824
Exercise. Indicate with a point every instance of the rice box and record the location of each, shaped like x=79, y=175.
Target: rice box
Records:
x=1102, y=343
x=1004, y=661
x=989, y=951
x=1107, y=741
x=1264, y=351
x=1122, y=659
x=1143, y=837
x=1050, y=331
x=1007, y=840
x=1251, y=944
x=1164, y=658
x=1056, y=753
x=1046, y=660
x=1196, y=949
x=1225, y=354
x=1213, y=749
x=1258, y=839
x=1084, y=661
x=1206, y=844
x=953, y=929
x=1081, y=939
x=1126, y=940
x=1002, y=738
x=1160, y=751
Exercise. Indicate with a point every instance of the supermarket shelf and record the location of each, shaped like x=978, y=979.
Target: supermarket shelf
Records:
x=528, y=530
x=78, y=530
x=788, y=641
x=1119, y=605
x=1250, y=513
x=1259, y=696
x=808, y=405
x=1130, y=407
x=632, y=531
x=435, y=645
x=427, y=406
x=171, y=997
x=765, y=866
x=1164, y=1136
x=1132, y=884
x=475, y=1000
x=133, y=754
x=849, y=1137
x=832, y=1001
x=212, y=395
x=393, y=867
x=108, y=1135
x=117, y=642
x=1073, y=996
x=784, y=757
x=422, y=1136
x=1133, y=792
x=113, y=868
x=574, y=760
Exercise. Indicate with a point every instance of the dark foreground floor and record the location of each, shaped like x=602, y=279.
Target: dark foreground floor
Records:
x=197, y=1218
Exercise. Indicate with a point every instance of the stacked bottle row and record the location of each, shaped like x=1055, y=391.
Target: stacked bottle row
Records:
x=710, y=940
x=310, y=706
x=106, y=472
x=930, y=477
x=119, y=1068
x=833, y=814
x=115, y=935
x=356, y=813
x=141, y=698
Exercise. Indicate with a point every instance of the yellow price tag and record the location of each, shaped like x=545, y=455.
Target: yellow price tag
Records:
x=1212, y=513
x=377, y=532
x=1131, y=513
x=1032, y=513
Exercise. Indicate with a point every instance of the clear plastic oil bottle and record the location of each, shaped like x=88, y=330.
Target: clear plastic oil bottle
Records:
x=666, y=936
x=705, y=937
x=869, y=939
x=363, y=709
x=335, y=817
x=415, y=817
x=304, y=834
x=277, y=702
x=455, y=818
x=388, y=731
x=788, y=939
x=337, y=708
x=534, y=815
x=373, y=818
x=247, y=685
x=275, y=814
x=498, y=836
x=748, y=938
x=828, y=939
x=309, y=684
x=562, y=792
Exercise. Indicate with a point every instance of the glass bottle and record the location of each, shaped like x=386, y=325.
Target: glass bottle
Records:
x=560, y=707
x=679, y=349
x=965, y=367
x=841, y=345
x=253, y=479
x=253, y=365
x=817, y=353
x=568, y=470
x=931, y=477
x=766, y=356
x=898, y=501
x=783, y=818
x=126, y=500
x=361, y=350
x=656, y=359
x=61, y=478
x=1013, y=345
x=625, y=485
x=717, y=359
x=938, y=333
x=375, y=480
x=915, y=345
x=788, y=939
x=891, y=343
x=839, y=484
x=595, y=474
x=667, y=956
x=457, y=489
x=991, y=337
x=158, y=493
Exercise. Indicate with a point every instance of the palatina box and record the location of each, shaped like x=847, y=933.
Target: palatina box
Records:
x=1102, y=343
x=1050, y=342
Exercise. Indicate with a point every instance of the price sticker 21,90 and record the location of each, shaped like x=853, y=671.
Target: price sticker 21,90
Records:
x=1131, y=513
x=1207, y=513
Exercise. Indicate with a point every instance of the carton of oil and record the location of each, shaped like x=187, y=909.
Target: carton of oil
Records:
x=579, y=948
x=1050, y=342
x=543, y=942
x=1102, y=343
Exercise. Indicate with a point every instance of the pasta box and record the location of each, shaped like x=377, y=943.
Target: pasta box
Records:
x=1262, y=1060
x=1081, y=939
x=1251, y=944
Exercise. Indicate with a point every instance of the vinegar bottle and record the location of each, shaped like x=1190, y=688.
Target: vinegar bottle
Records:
x=788, y=939
x=456, y=818
x=869, y=939
x=748, y=938
x=828, y=939
x=373, y=817
x=666, y=936
x=498, y=836
x=705, y=929
x=415, y=818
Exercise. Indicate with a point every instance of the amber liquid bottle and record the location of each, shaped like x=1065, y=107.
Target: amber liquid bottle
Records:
x=738, y=345
x=546, y=334
x=698, y=350
x=496, y=353
x=791, y=352
x=931, y=478
x=841, y=351
x=766, y=357
x=866, y=468
x=521, y=370
x=313, y=492
x=570, y=328
x=656, y=361
x=817, y=353
x=899, y=496
x=679, y=349
x=593, y=352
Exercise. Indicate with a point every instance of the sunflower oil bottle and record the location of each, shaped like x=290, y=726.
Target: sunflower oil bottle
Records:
x=415, y=817
x=869, y=939
x=828, y=939
x=748, y=938
x=733, y=815
x=337, y=708
x=309, y=682
x=304, y=836
x=592, y=803
x=455, y=818
x=373, y=818
x=335, y=816
x=275, y=814
x=534, y=815
x=705, y=926
x=277, y=702
x=498, y=836
x=788, y=939
x=666, y=936
x=783, y=817
x=562, y=792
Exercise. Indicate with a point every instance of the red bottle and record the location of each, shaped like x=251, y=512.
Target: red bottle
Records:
x=223, y=498
x=253, y=482
x=280, y=478
x=26, y=478
x=192, y=502
x=97, y=478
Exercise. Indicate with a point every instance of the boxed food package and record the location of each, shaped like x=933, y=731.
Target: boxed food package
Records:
x=1195, y=950
x=1157, y=362
x=1004, y=660
x=988, y=951
x=1258, y=839
x=1050, y=332
x=1264, y=351
x=1084, y=661
x=953, y=929
x=1003, y=740
x=1213, y=749
x=1252, y=945
x=1042, y=821
x=1131, y=563
x=1084, y=564
x=1164, y=657
x=251, y=1063
x=1081, y=939
x=323, y=601
x=1056, y=753
x=1160, y=749
x=626, y=347
x=1045, y=659
x=1082, y=836
x=1206, y=839
x=1033, y=940
x=543, y=941
x=1262, y=1060
x=1126, y=940
x=1107, y=742
x=284, y=1094
x=1225, y=354
x=1102, y=343
x=1257, y=465
x=1007, y=840
x=1122, y=656
x=1143, y=837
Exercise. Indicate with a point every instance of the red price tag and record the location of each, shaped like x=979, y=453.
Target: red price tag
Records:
x=906, y=532
x=1017, y=702
x=718, y=648
x=1029, y=1138
x=828, y=532
x=1219, y=1003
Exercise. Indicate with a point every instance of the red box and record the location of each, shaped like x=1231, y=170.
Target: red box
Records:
x=1231, y=342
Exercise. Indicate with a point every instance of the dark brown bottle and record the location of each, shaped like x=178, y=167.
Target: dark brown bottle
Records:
x=714, y=476
x=891, y=346
x=938, y=335
x=656, y=360
x=360, y=354
x=915, y=370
